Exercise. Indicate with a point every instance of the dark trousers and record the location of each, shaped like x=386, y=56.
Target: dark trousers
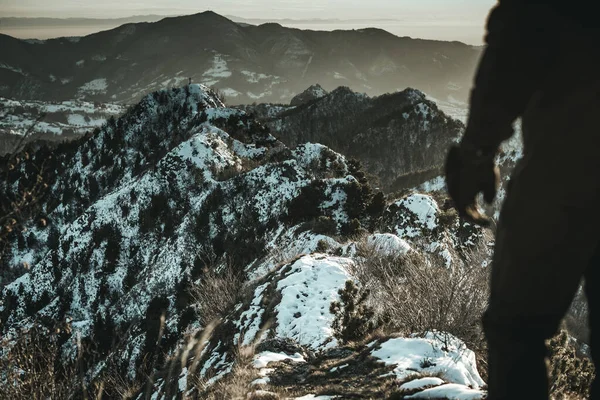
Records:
x=548, y=239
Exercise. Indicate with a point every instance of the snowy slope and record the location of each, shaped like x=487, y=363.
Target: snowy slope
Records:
x=401, y=138
x=54, y=121
x=136, y=213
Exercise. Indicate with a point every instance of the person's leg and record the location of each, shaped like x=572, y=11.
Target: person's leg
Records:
x=534, y=278
x=546, y=237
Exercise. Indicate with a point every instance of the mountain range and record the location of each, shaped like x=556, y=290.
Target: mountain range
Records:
x=300, y=248
x=246, y=63
x=401, y=138
x=122, y=224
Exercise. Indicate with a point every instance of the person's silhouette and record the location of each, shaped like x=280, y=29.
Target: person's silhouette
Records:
x=541, y=63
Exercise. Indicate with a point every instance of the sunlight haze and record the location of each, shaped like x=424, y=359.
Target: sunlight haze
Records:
x=461, y=20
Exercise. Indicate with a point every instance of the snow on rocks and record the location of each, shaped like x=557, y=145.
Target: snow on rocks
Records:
x=249, y=323
x=207, y=151
x=436, y=354
x=423, y=207
x=260, y=381
x=289, y=244
x=263, y=359
x=308, y=153
x=421, y=384
x=416, y=215
x=311, y=94
x=387, y=244
x=307, y=292
x=96, y=86
x=450, y=391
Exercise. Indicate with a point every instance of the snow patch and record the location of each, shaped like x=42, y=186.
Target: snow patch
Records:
x=387, y=244
x=218, y=71
x=450, y=391
x=255, y=77
x=263, y=359
x=229, y=92
x=13, y=69
x=97, y=86
x=420, y=384
x=436, y=353
x=307, y=292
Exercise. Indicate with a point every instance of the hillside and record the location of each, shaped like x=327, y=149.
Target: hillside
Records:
x=401, y=138
x=50, y=121
x=182, y=248
x=266, y=63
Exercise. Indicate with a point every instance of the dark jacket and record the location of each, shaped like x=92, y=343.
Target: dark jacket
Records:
x=525, y=39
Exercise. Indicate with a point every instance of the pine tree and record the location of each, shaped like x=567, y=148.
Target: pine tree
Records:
x=353, y=317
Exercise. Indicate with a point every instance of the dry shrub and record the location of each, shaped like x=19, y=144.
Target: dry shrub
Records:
x=113, y=384
x=217, y=292
x=165, y=383
x=570, y=374
x=226, y=173
x=32, y=370
x=417, y=293
x=235, y=385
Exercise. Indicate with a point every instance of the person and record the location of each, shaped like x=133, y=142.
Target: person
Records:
x=542, y=64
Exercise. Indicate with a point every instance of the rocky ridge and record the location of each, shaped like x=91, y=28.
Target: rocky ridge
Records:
x=401, y=138
x=130, y=218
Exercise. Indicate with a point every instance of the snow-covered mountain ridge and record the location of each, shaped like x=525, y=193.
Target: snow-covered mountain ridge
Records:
x=402, y=138
x=126, y=221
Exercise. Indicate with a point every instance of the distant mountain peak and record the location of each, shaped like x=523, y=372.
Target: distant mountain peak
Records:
x=210, y=14
x=267, y=62
x=311, y=94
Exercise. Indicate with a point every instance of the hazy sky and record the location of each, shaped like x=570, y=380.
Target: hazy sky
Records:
x=466, y=17
x=473, y=10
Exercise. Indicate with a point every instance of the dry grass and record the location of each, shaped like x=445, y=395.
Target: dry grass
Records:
x=416, y=293
x=237, y=384
x=217, y=292
x=31, y=370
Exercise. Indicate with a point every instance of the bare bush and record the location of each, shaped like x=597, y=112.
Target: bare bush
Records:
x=217, y=292
x=31, y=369
x=235, y=385
x=417, y=293
x=219, y=94
x=571, y=375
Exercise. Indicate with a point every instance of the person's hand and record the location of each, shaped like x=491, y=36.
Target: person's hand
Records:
x=468, y=173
